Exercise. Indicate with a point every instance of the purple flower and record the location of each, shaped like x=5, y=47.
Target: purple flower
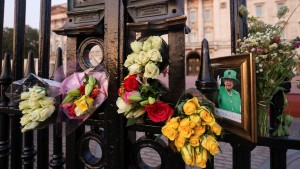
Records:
x=296, y=44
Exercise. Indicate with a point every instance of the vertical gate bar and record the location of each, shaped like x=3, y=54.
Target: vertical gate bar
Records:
x=113, y=51
x=241, y=154
x=2, y=2
x=176, y=41
x=237, y=22
x=57, y=160
x=5, y=80
x=18, y=65
x=278, y=158
x=72, y=157
x=44, y=44
x=28, y=150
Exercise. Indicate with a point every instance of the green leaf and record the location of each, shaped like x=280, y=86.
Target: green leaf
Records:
x=288, y=120
x=280, y=130
x=285, y=130
x=131, y=122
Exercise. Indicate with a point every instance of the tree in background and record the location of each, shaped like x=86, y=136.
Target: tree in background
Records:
x=31, y=39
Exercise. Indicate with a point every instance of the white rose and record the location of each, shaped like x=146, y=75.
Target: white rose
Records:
x=130, y=59
x=24, y=104
x=122, y=105
x=29, y=126
x=147, y=46
x=26, y=111
x=34, y=103
x=142, y=58
x=24, y=119
x=136, y=46
x=151, y=70
x=135, y=69
x=35, y=115
x=46, y=112
x=46, y=101
x=156, y=42
x=154, y=55
x=25, y=95
x=37, y=92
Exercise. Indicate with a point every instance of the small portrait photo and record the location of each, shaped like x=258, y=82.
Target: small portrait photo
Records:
x=228, y=100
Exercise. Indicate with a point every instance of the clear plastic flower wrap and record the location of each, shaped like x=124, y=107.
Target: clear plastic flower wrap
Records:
x=83, y=93
x=36, y=98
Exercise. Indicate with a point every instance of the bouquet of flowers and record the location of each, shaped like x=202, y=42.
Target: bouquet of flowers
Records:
x=84, y=93
x=140, y=90
x=275, y=60
x=37, y=100
x=193, y=130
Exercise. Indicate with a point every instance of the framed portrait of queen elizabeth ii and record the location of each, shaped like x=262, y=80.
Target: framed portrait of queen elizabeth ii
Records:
x=236, y=95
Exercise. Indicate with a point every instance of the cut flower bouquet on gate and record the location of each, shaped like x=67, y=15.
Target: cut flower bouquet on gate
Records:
x=275, y=58
x=193, y=130
x=37, y=101
x=140, y=91
x=84, y=93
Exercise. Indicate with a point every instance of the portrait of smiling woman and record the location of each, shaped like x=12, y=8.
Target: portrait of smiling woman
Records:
x=228, y=98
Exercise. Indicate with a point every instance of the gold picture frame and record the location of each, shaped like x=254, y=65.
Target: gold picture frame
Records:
x=241, y=68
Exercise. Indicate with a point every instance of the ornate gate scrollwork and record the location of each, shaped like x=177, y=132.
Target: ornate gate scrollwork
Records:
x=91, y=149
x=152, y=142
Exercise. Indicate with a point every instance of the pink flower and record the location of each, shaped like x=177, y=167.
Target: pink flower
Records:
x=128, y=94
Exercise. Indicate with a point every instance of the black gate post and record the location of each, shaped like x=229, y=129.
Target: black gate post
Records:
x=113, y=40
x=18, y=65
x=44, y=54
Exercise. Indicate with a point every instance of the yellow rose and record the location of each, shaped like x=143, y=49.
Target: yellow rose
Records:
x=194, y=120
x=187, y=155
x=189, y=108
x=195, y=101
x=170, y=129
x=210, y=144
x=206, y=116
x=179, y=142
x=199, y=130
x=84, y=103
x=201, y=157
x=194, y=140
x=184, y=128
x=216, y=128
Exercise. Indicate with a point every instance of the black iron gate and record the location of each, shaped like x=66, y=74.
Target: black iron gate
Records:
x=112, y=24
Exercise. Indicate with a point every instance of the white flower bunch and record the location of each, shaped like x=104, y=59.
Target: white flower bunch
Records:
x=145, y=57
x=36, y=107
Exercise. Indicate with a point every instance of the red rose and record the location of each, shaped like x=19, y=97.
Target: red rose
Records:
x=276, y=39
x=159, y=111
x=130, y=83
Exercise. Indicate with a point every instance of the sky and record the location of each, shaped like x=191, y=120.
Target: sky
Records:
x=32, y=12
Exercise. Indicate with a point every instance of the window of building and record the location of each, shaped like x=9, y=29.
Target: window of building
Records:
x=206, y=15
x=258, y=10
x=192, y=16
x=193, y=63
x=208, y=36
x=193, y=37
x=279, y=5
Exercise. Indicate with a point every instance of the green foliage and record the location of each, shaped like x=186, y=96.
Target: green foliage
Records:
x=31, y=40
x=285, y=121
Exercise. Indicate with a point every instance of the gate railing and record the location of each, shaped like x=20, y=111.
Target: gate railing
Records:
x=116, y=146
